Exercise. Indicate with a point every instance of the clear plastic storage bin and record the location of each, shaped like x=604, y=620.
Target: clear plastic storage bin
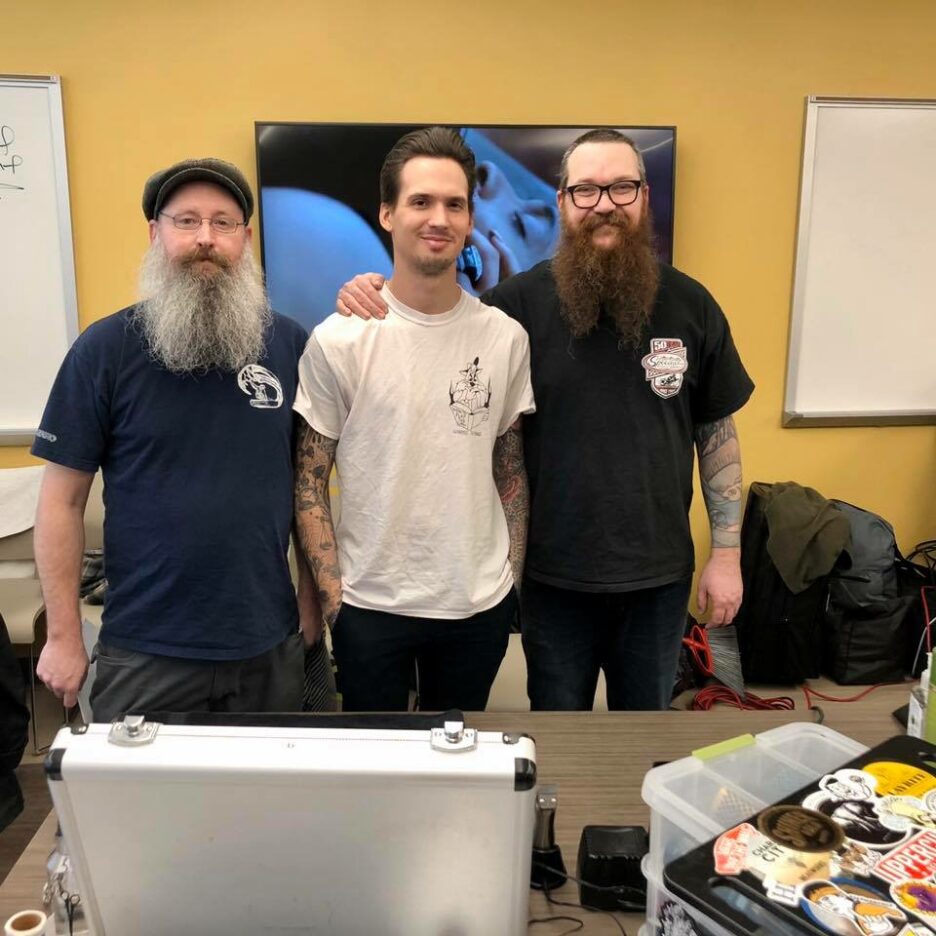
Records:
x=694, y=799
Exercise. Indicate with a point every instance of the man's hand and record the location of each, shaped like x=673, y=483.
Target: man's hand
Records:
x=63, y=666
x=720, y=587
x=361, y=297
x=498, y=261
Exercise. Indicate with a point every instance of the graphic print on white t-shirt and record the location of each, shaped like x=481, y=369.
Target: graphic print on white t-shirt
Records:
x=470, y=398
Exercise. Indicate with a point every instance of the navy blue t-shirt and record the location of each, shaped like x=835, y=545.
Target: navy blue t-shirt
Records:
x=610, y=449
x=198, y=489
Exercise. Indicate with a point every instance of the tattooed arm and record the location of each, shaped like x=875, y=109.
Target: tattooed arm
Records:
x=511, y=479
x=315, y=455
x=720, y=471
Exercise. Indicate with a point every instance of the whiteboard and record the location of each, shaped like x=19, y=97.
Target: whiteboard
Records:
x=38, y=303
x=863, y=331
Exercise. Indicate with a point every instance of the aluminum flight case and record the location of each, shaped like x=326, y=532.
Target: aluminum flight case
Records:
x=276, y=829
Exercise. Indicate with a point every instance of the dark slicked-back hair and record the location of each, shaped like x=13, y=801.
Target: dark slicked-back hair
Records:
x=599, y=135
x=436, y=142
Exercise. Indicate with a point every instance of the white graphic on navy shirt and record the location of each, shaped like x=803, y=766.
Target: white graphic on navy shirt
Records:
x=263, y=388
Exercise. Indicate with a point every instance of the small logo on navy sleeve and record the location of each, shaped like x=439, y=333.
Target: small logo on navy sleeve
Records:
x=263, y=388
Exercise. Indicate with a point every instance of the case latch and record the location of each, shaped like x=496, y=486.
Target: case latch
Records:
x=453, y=736
x=133, y=731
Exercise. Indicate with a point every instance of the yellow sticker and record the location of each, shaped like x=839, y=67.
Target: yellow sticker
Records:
x=895, y=779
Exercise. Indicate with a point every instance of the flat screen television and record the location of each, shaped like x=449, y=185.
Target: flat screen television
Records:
x=319, y=201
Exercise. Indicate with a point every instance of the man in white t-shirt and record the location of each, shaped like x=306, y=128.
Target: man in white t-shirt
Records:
x=420, y=412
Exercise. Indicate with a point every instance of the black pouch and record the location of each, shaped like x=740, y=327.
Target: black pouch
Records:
x=869, y=646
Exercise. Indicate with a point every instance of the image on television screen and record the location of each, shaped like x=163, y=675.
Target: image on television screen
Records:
x=319, y=203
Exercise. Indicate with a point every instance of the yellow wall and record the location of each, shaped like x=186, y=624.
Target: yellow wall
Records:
x=148, y=83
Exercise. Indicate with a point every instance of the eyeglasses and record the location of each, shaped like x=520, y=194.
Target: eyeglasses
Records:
x=191, y=223
x=587, y=194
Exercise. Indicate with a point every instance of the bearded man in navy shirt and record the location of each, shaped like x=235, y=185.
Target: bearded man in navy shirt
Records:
x=184, y=401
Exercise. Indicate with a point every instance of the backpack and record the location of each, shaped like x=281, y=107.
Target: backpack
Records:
x=865, y=632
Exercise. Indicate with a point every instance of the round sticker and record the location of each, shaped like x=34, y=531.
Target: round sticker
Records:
x=800, y=829
x=858, y=820
x=895, y=779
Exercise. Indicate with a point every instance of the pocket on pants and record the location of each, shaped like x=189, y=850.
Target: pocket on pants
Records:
x=113, y=656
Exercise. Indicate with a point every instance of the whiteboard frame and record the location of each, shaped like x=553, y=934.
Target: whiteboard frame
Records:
x=24, y=435
x=791, y=418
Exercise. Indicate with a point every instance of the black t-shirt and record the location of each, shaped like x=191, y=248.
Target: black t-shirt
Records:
x=610, y=449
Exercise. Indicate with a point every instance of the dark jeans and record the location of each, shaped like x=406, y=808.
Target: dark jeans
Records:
x=127, y=681
x=634, y=637
x=456, y=660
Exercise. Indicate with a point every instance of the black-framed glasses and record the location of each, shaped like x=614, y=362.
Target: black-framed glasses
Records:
x=587, y=194
x=192, y=222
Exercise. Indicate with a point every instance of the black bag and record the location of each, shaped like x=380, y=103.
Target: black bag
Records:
x=915, y=573
x=14, y=724
x=866, y=634
x=779, y=632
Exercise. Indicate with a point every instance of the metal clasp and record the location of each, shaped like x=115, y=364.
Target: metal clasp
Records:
x=453, y=736
x=133, y=731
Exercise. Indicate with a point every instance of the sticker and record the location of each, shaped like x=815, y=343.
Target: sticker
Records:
x=857, y=819
x=800, y=829
x=674, y=921
x=849, y=785
x=732, y=848
x=852, y=859
x=850, y=908
x=895, y=779
x=904, y=812
x=787, y=894
x=914, y=860
x=917, y=896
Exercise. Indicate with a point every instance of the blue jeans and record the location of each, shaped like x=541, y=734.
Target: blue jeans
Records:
x=635, y=637
x=456, y=660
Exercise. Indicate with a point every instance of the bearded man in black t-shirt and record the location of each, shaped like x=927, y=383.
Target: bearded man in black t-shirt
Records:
x=634, y=369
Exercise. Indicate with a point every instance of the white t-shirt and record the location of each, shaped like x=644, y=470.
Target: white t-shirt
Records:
x=416, y=402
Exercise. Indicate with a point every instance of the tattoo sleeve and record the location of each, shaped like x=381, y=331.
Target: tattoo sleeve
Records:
x=720, y=472
x=511, y=479
x=315, y=455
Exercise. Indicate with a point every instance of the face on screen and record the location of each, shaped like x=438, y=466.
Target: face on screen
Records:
x=431, y=218
x=525, y=229
x=602, y=164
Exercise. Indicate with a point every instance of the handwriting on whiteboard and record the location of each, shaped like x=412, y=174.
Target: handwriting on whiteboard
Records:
x=10, y=160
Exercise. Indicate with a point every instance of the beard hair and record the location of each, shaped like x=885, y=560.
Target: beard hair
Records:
x=192, y=321
x=433, y=266
x=620, y=281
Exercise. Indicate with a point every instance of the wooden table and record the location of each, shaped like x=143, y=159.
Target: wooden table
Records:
x=598, y=762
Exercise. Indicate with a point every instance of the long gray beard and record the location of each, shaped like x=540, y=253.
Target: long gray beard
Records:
x=191, y=322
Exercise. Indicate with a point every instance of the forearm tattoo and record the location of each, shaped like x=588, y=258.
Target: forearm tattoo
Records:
x=511, y=479
x=720, y=472
x=315, y=455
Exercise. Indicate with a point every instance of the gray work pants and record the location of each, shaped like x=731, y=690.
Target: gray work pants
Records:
x=128, y=681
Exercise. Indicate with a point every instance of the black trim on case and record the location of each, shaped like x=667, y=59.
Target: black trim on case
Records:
x=524, y=774
x=53, y=763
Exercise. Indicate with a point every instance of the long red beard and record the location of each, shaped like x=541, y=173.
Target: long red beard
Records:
x=620, y=281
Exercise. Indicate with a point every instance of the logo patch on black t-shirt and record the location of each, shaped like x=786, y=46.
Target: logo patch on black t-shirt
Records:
x=470, y=398
x=262, y=386
x=665, y=365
